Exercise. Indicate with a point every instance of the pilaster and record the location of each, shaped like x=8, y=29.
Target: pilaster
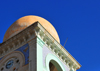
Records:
x=40, y=44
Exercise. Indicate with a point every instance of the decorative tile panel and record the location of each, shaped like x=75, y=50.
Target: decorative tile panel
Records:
x=25, y=50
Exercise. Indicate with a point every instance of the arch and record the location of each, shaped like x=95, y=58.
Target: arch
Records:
x=53, y=59
x=14, y=54
x=54, y=66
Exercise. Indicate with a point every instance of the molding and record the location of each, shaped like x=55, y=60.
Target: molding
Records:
x=56, y=47
x=40, y=42
x=18, y=40
x=43, y=37
x=52, y=57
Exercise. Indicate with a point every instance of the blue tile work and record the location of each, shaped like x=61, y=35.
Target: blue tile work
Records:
x=1, y=58
x=25, y=50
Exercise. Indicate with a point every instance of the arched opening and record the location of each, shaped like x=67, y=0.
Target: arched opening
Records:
x=54, y=66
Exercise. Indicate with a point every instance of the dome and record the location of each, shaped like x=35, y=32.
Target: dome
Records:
x=26, y=21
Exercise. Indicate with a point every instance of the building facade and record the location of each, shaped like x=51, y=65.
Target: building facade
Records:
x=32, y=44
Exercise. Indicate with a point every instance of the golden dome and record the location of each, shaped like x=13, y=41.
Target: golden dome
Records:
x=26, y=21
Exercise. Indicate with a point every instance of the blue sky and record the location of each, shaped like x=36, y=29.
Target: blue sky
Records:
x=79, y=20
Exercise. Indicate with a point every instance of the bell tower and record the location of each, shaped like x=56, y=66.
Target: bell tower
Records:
x=32, y=44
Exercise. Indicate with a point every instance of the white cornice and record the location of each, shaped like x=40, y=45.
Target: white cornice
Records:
x=56, y=47
x=33, y=31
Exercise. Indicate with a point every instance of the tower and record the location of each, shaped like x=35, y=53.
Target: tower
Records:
x=32, y=44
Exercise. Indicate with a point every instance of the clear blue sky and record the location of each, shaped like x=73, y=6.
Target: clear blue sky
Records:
x=79, y=20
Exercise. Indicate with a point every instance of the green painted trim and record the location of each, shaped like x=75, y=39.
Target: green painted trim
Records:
x=40, y=42
x=50, y=57
x=39, y=58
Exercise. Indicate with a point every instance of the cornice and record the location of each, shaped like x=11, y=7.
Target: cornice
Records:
x=56, y=47
x=18, y=40
x=37, y=30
